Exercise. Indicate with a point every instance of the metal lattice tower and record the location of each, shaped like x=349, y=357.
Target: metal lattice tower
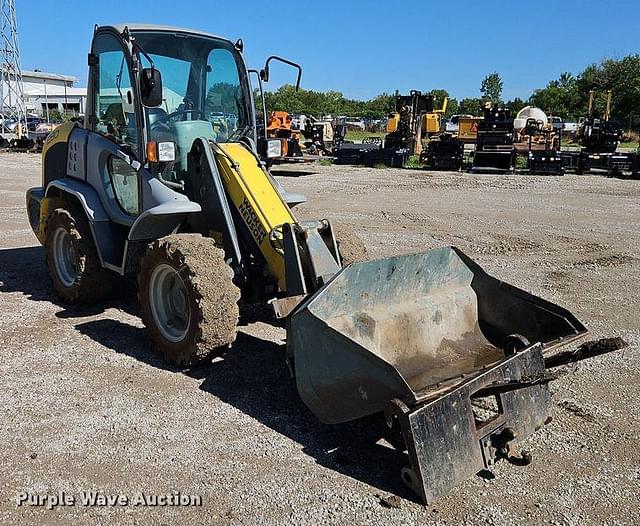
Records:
x=12, y=106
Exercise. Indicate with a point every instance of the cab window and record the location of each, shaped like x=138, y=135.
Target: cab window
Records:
x=114, y=105
x=224, y=100
x=124, y=180
x=203, y=93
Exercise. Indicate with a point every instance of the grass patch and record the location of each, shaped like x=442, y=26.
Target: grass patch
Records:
x=358, y=135
x=325, y=162
x=633, y=145
x=413, y=162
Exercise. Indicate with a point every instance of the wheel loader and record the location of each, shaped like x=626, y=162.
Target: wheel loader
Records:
x=163, y=181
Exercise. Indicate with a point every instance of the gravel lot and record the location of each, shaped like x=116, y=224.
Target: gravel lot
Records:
x=85, y=403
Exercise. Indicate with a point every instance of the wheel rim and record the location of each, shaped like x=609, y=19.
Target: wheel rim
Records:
x=169, y=305
x=64, y=256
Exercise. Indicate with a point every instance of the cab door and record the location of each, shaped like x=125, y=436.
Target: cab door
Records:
x=114, y=146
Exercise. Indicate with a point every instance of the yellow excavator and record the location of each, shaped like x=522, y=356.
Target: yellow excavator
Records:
x=433, y=121
x=163, y=181
x=429, y=120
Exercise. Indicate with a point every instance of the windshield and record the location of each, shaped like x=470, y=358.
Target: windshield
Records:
x=204, y=90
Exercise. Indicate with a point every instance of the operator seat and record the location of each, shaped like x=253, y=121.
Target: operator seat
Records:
x=118, y=124
x=156, y=115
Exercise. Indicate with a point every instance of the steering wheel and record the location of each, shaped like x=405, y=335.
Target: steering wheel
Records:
x=164, y=120
x=177, y=113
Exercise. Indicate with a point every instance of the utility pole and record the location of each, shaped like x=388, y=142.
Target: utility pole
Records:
x=12, y=105
x=46, y=99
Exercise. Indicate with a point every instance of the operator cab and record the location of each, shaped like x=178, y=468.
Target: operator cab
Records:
x=204, y=93
x=155, y=90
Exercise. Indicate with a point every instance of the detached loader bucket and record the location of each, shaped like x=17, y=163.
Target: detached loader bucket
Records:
x=421, y=337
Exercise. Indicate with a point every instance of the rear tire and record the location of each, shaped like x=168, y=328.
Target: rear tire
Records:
x=188, y=298
x=72, y=258
x=350, y=246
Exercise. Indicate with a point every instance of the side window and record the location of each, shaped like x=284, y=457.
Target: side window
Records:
x=224, y=97
x=114, y=106
x=125, y=185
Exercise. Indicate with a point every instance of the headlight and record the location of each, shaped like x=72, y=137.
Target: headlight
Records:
x=166, y=152
x=274, y=148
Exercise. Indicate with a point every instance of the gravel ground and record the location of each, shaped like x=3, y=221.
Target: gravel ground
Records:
x=86, y=405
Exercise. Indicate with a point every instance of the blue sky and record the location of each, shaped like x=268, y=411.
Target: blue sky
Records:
x=360, y=47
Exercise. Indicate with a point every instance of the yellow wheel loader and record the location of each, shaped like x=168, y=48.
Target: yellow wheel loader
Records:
x=164, y=181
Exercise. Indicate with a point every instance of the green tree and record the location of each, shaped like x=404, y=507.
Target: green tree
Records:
x=438, y=97
x=310, y=102
x=453, y=108
x=560, y=97
x=55, y=116
x=515, y=105
x=381, y=105
x=491, y=88
x=568, y=96
x=622, y=77
x=470, y=107
x=438, y=100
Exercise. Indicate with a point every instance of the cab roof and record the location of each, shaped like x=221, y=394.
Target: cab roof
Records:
x=134, y=26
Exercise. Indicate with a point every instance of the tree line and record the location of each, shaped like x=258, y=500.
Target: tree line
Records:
x=309, y=102
x=566, y=97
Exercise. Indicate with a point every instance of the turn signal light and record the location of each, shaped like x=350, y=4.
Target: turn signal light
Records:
x=152, y=151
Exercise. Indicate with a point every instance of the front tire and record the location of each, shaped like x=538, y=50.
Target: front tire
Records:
x=72, y=258
x=188, y=298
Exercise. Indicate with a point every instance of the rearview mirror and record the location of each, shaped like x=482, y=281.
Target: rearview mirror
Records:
x=151, y=87
x=264, y=72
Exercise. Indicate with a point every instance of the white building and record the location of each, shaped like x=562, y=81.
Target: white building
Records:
x=45, y=92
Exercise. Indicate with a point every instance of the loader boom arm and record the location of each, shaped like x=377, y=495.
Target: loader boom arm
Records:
x=257, y=201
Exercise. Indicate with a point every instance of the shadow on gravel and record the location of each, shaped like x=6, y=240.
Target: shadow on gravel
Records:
x=292, y=173
x=24, y=270
x=124, y=338
x=252, y=313
x=252, y=376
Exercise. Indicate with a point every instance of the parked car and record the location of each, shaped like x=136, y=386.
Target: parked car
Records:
x=556, y=122
x=452, y=125
x=570, y=127
x=32, y=124
x=6, y=122
x=357, y=124
x=46, y=127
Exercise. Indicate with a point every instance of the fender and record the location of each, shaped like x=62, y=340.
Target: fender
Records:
x=116, y=253
x=84, y=193
x=55, y=152
x=105, y=238
x=161, y=220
